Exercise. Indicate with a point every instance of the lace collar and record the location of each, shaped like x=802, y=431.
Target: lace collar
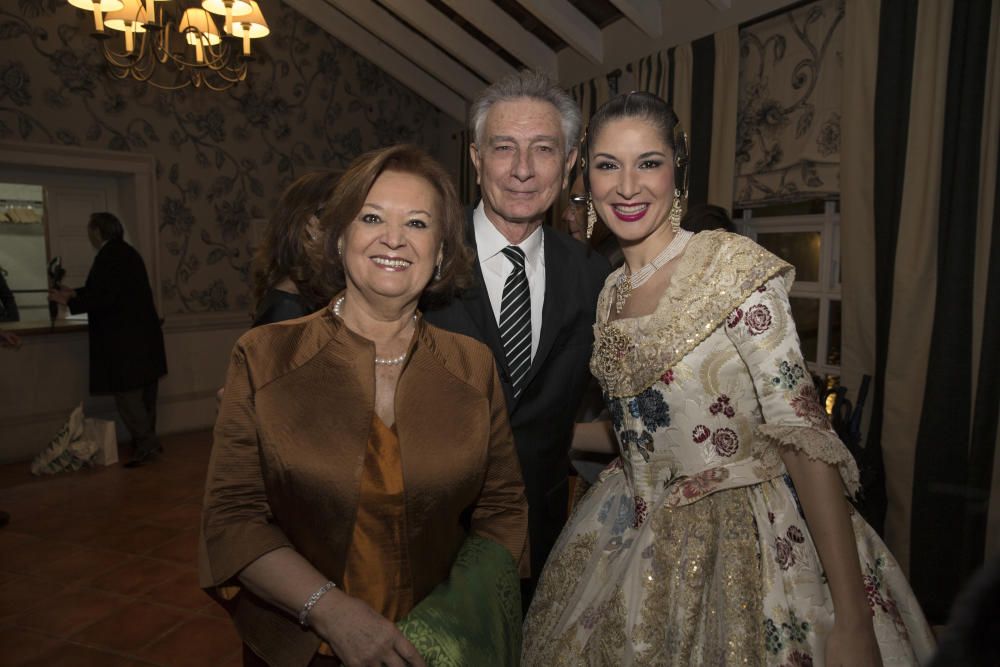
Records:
x=717, y=272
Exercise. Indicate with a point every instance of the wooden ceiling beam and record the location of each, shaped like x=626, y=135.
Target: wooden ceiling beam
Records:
x=571, y=25
x=508, y=33
x=646, y=15
x=441, y=30
x=399, y=36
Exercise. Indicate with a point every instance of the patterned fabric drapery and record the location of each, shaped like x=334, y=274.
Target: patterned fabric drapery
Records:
x=788, y=124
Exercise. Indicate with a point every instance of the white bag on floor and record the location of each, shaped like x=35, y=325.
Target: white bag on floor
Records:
x=102, y=432
x=68, y=450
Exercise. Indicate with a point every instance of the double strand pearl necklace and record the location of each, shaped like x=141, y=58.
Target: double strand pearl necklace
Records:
x=338, y=309
x=629, y=281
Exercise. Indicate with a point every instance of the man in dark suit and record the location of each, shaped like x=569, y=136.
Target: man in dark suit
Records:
x=535, y=292
x=127, y=357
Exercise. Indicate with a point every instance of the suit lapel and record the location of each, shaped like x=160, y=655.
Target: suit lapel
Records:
x=558, y=289
x=476, y=301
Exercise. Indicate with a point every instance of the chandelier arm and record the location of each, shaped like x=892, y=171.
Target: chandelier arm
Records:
x=223, y=66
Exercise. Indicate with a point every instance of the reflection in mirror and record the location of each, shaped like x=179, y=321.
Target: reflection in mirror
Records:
x=800, y=249
x=805, y=311
x=23, y=255
x=833, y=335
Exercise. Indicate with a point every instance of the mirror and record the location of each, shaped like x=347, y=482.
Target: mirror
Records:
x=23, y=253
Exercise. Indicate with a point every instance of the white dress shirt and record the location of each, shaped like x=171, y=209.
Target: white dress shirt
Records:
x=496, y=267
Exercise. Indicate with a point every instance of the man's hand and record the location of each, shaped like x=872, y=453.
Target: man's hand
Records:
x=8, y=339
x=62, y=295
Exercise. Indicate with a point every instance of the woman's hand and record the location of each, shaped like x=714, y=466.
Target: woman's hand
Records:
x=852, y=645
x=359, y=636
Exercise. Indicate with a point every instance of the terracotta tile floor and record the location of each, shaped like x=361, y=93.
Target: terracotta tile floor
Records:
x=97, y=567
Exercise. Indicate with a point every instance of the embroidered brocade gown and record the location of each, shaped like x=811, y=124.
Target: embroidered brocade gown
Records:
x=692, y=549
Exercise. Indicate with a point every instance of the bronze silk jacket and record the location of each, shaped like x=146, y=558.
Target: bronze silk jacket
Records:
x=289, y=447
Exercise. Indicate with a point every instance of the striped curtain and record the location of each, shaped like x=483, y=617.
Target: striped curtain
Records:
x=921, y=255
x=700, y=81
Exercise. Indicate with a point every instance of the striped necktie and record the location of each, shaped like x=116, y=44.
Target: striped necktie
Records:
x=515, y=320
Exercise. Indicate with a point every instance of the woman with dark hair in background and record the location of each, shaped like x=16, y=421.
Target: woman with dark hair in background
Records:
x=722, y=534
x=282, y=270
x=363, y=471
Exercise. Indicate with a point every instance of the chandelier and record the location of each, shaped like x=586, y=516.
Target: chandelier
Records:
x=168, y=53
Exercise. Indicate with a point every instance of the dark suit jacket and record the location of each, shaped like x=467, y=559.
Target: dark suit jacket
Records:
x=126, y=341
x=542, y=416
x=290, y=444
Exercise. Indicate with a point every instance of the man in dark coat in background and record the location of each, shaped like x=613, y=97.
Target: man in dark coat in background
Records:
x=127, y=357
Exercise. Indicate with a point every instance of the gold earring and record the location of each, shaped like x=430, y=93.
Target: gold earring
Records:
x=340, y=246
x=676, y=212
x=437, y=272
x=591, y=216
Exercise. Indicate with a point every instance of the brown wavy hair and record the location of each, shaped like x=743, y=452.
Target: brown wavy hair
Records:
x=282, y=252
x=350, y=194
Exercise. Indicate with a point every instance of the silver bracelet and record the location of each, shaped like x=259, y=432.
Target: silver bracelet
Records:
x=311, y=602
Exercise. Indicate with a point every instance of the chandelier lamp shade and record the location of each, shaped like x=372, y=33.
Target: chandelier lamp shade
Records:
x=173, y=44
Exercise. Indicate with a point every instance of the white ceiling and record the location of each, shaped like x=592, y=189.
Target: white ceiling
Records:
x=448, y=50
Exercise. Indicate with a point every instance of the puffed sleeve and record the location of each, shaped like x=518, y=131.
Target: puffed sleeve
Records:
x=763, y=331
x=501, y=512
x=237, y=526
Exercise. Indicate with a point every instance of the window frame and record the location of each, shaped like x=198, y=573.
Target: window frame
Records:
x=828, y=288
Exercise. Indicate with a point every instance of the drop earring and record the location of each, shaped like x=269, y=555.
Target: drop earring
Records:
x=591, y=216
x=437, y=272
x=340, y=246
x=676, y=212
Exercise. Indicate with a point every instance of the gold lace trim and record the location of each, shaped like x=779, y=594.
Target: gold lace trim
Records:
x=717, y=273
x=816, y=444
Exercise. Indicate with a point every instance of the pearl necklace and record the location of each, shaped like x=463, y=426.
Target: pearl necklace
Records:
x=338, y=309
x=628, y=282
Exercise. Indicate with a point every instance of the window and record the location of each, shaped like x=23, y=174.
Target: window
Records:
x=807, y=235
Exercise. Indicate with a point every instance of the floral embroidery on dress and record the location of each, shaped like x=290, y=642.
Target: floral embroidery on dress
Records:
x=734, y=318
x=700, y=433
x=623, y=519
x=703, y=483
x=793, y=631
x=784, y=555
x=758, y=319
x=878, y=597
x=651, y=408
x=643, y=442
x=798, y=659
x=641, y=511
x=788, y=376
x=806, y=405
x=725, y=441
x=722, y=405
x=667, y=377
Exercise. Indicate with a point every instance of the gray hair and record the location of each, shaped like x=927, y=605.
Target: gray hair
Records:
x=107, y=225
x=533, y=85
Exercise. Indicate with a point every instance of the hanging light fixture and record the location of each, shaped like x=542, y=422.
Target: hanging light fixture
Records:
x=170, y=54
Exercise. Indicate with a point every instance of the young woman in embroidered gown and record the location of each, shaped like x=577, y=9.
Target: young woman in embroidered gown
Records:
x=722, y=534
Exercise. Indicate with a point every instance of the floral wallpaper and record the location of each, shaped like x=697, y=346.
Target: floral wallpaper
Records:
x=222, y=158
x=788, y=132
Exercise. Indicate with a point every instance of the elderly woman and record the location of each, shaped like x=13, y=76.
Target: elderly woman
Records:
x=284, y=278
x=360, y=453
